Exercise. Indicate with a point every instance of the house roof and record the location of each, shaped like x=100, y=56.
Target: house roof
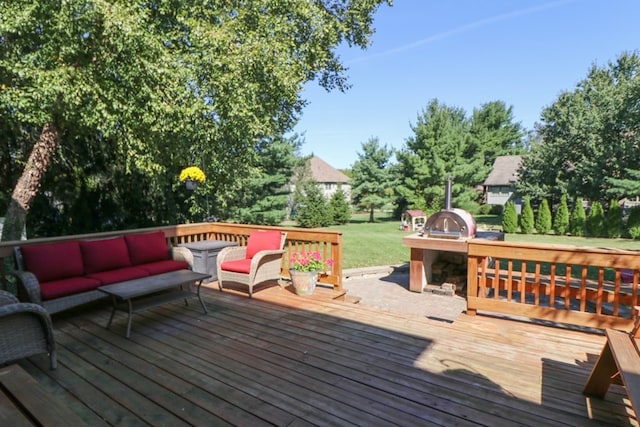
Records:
x=323, y=172
x=505, y=170
x=414, y=213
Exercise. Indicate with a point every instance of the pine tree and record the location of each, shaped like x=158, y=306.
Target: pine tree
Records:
x=561, y=220
x=526, y=218
x=633, y=223
x=577, y=220
x=543, y=220
x=510, y=218
x=339, y=208
x=312, y=210
x=613, y=220
x=595, y=220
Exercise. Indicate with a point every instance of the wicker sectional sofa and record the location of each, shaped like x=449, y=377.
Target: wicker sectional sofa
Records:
x=62, y=275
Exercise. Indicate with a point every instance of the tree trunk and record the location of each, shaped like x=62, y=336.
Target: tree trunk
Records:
x=29, y=182
x=371, y=214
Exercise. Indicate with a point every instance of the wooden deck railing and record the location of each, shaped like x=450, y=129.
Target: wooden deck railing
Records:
x=558, y=283
x=328, y=243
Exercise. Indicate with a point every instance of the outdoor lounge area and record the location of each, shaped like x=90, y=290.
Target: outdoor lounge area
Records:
x=283, y=359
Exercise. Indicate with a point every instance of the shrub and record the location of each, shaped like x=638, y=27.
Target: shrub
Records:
x=510, y=218
x=339, y=208
x=595, y=220
x=543, y=220
x=577, y=220
x=613, y=220
x=496, y=209
x=633, y=223
x=526, y=217
x=561, y=220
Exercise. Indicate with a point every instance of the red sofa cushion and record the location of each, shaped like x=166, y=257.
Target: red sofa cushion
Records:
x=103, y=255
x=119, y=275
x=166, y=266
x=147, y=247
x=237, y=266
x=263, y=240
x=53, y=261
x=61, y=288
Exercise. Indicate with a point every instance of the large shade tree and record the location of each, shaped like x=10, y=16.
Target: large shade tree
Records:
x=590, y=137
x=159, y=81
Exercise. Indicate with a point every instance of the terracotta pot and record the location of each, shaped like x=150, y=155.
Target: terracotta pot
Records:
x=304, y=282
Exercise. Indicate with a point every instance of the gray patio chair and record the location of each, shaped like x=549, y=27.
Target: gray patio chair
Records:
x=25, y=330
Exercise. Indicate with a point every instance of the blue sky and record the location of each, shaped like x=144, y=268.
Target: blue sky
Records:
x=465, y=53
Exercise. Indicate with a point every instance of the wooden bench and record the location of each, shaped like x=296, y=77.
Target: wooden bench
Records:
x=619, y=363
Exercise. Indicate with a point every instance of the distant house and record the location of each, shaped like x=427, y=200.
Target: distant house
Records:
x=501, y=182
x=329, y=178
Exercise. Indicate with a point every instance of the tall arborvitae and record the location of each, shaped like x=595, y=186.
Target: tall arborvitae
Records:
x=613, y=220
x=633, y=223
x=526, y=218
x=595, y=220
x=510, y=218
x=561, y=220
x=543, y=220
x=578, y=219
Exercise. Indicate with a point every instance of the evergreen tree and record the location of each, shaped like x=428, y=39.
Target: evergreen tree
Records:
x=371, y=178
x=510, y=218
x=543, y=220
x=561, y=220
x=595, y=220
x=613, y=220
x=312, y=207
x=339, y=208
x=577, y=220
x=633, y=223
x=526, y=218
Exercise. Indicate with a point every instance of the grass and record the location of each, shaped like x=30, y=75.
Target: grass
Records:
x=380, y=243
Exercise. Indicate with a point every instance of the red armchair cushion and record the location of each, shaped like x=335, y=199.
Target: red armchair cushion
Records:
x=53, y=261
x=147, y=247
x=104, y=255
x=119, y=275
x=62, y=288
x=237, y=266
x=166, y=266
x=263, y=240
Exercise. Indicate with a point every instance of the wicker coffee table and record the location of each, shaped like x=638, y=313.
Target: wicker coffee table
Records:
x=137, y=295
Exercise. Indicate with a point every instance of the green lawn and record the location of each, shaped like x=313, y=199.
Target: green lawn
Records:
x=380, y=243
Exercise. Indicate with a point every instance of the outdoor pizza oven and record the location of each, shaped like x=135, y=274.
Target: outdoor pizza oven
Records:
x=450, y=223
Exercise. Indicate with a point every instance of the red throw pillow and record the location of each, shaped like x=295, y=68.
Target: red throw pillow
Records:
x=147, y=247
x=263, y=240
x=104, y=255
x=53, y=261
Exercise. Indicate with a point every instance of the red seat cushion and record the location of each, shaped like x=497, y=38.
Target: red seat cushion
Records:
x=166, y=266
x=53, y=261
x=237, y=266
x=263, y=240
x=61, y=288
x=147, y=247
x=119, y=275
x=103, y=255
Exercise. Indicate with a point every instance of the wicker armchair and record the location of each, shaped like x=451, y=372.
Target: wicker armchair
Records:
x=25, y=330
x=258, y=262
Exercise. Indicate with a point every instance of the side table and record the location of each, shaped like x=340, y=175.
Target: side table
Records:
x=205, y=254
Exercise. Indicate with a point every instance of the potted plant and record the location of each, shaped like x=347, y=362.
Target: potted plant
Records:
x=304, y=268
x=191, y=176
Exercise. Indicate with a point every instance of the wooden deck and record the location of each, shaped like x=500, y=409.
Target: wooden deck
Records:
x=280, y=359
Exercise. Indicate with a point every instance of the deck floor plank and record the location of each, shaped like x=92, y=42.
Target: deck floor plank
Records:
x=280, y=359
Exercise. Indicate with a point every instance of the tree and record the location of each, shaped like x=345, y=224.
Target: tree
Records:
x=578, y=219
x=595, y=220
x=312, y=207
x=219, y=76
x=561, y=220
x=543, y=219
x=371, y=178
x=526, y=217
x=339, y=208
x=510, y=218
x=493, y=132
x=613, y=220
x=589, y=135
x=633, y=223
